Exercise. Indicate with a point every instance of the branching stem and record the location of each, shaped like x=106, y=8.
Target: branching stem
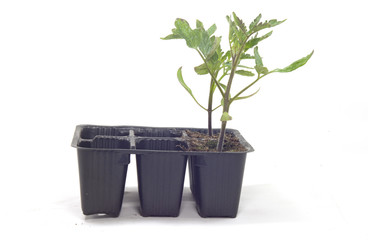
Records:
x=211, y=73
x=247, y=87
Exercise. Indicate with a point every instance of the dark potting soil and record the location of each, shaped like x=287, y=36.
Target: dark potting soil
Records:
x=202, y=142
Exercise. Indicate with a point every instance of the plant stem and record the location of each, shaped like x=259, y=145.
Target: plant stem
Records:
x=209, y=109
x=210, y=131
x=226, y=108
x=221, y=138
x=227, y=100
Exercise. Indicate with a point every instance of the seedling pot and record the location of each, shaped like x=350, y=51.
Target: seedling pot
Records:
x=216, y=183
x=160, y=183
x=102, y=177
x=103, y=159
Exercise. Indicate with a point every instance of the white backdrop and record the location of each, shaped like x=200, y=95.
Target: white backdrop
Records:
x=64, y=63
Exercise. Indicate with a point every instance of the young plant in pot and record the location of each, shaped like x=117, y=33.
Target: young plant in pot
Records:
x=216, y=177
x=215, y=168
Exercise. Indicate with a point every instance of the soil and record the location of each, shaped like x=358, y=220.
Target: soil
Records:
x=203, y=142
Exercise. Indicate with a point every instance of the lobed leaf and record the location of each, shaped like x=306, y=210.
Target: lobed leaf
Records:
x=255, y=22
x=195, y=37
x=239, y=23
x=192, y=37
x=254, y=41
x=266, y=24
x=237, y=34
x=208, y=45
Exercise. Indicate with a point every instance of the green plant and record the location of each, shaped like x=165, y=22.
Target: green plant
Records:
x=218, y=64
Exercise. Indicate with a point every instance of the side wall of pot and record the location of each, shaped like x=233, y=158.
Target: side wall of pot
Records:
x=216, y=183
x=160, y=183
x=102, y=176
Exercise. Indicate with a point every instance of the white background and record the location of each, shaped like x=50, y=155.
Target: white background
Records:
x=64, y=63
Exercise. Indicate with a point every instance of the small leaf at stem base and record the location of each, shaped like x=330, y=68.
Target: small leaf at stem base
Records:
x=226, y=117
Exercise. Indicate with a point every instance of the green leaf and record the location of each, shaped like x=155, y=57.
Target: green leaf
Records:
x=208, y=45
x=212, y=30
x=246, y=56
x=254, y=41
x=251, y=43
x=223, y=86
x=255, y=22
x=226, y=56
x=215, y=41
x=237, y=34
x=205, y=45
x=245, y=97
x=232, y=29
x=175, y=35
x=261, y=69
x=257, y=57
x=266, y=24
x=199, y=24
x=183, y=28
x=244, y=73
x=214, y=59
x=265, y=36
x=240, y=23
x=295, y=65
x=181, y=80
x=274, y=22
x=171, y=36
x=192, y=37
x=201, y=69
x=243, y=66
x=225, y=117
x=259, y=64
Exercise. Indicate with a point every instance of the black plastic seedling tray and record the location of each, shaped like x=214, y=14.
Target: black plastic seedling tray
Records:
x=103, y=158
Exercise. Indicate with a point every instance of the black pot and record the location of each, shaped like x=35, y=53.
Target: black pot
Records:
x=102, y=170
x=160, y=172
x=160, y=183
x=216, y=183
x=104, y=155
